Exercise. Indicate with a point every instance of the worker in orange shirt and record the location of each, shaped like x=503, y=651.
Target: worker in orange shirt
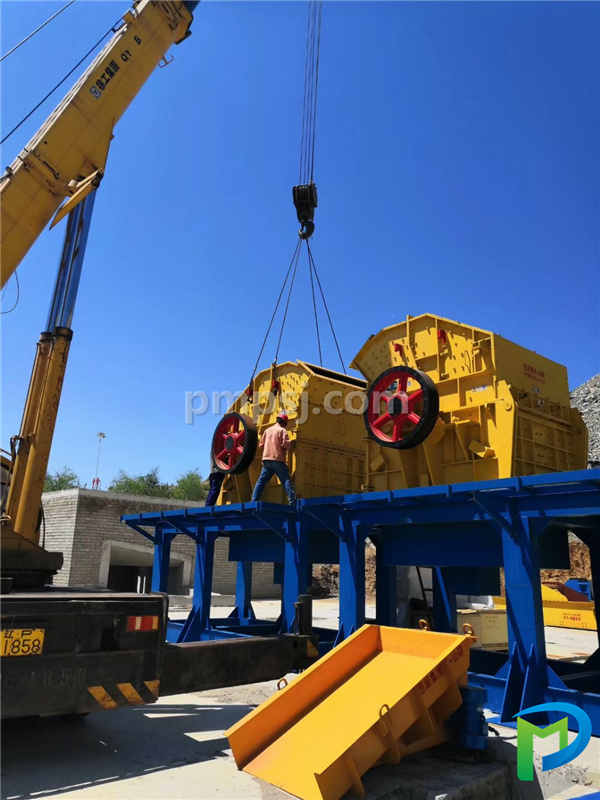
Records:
x=275, y=442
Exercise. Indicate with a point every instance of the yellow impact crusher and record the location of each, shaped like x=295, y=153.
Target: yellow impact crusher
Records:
x=495, y=409
x=328, y=457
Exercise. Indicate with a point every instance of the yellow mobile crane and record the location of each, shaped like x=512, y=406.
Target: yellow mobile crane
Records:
x=56, y=175
x=73, y=645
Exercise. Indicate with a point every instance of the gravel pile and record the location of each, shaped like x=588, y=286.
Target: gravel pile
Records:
x=586, y=398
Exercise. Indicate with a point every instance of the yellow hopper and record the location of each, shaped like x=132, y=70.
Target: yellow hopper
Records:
x=560, y=611
x=380, y=695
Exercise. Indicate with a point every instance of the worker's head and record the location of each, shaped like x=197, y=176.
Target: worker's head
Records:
x=282, y=419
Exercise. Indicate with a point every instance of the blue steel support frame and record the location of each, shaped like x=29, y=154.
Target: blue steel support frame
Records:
x=526, y=670
x=243, y=593
x=199, y=618
x=520, y=524
x=295, y=570
x=386, y=605
x=444, y=603
x=593, y=542
x=162, y=555
x=352, y=588
x=483, y=525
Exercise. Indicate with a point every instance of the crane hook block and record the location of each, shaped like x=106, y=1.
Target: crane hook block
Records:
x=305, y=200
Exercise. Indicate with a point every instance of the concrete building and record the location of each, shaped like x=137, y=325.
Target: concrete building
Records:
x=100, y=552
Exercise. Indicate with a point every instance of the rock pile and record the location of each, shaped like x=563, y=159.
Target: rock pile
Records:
x=586, y=398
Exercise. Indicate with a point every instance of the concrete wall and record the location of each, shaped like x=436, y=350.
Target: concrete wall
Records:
x=84, y=525
x=58, y=528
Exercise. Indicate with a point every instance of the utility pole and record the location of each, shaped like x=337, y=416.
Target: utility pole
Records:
x=96, y=481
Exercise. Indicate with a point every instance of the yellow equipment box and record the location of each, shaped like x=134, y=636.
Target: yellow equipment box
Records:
x=489, y=626
x=383, y=693
x=325, y=422
x=449, y=403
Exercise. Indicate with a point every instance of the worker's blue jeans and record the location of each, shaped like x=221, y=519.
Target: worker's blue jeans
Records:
x=215, y=481
x=270, y=468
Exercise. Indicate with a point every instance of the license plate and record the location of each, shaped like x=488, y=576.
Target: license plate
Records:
x=22, y=642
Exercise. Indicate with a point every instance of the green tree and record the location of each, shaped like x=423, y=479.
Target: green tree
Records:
x=148, y=484
x=63, y=478
x=190, y=486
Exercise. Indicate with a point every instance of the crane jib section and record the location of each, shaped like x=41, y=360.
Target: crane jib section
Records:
x=72, y=145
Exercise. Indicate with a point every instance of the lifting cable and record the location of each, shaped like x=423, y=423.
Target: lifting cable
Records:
x=305, y=193
x=37, y=30
x=287, y=305
x=311, y=82
x=293, y=264
x=16, y=303
x=313, y=266
x=314, y=299
x=305, y=198
x=60, y=83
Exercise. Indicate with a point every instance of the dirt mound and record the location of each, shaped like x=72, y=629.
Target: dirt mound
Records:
x=326, y=580
x=326, y=577
x=581, y=566
x=586, y=398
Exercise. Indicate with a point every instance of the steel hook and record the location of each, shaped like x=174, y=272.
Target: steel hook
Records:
x=307, y=229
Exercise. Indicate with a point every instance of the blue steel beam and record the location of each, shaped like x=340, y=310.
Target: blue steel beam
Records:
x=518, y=523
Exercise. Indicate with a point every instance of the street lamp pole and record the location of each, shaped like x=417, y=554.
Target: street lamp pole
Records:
x=96, y=481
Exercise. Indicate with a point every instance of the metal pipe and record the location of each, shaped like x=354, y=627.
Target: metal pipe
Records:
x=63, y=269
x=71, y=263
x=80, y=241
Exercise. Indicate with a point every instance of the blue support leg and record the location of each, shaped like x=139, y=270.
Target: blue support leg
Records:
x=594, y=545
x=243, y=593
x=444, y=604
x=592, y=540
x=198, y=621
x=352, y=579
x=526, y=671
x=162, y=556
x=386, y=612
x=295, y=571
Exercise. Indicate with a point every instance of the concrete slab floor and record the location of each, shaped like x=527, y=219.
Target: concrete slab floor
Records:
x=175, y=750
x=576, y=779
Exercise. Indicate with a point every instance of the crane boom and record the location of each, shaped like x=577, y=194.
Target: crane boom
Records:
x=66, y=157
x=58, y=173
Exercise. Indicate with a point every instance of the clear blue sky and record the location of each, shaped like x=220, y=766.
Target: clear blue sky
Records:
x=458, y=172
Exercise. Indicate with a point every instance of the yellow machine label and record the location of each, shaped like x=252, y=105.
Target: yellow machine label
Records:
x=22, y=642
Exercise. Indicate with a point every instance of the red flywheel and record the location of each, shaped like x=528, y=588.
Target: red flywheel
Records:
x=234, y=443
x=402, y=408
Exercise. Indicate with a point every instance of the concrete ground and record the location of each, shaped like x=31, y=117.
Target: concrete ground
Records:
x=176, y=750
